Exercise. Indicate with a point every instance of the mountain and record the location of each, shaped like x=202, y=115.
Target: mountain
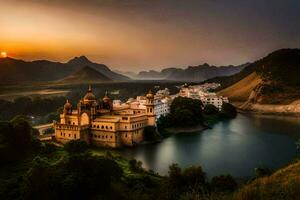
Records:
x=85, y=74
x=82, y=61
x=14, y=71
x=271, y=84
x=192, y=73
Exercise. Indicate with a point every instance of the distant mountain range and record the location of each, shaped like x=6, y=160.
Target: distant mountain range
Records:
x=192, y=73
x=271, y=84
x=13, y=71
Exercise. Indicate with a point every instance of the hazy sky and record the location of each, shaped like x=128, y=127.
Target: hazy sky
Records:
x=144, y=34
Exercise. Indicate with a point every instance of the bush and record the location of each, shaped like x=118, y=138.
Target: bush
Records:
x=76, y=146
x=223, y=183
x=262, y=171
x=135, y=165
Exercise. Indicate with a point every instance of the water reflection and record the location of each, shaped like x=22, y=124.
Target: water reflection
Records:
x=235, y=147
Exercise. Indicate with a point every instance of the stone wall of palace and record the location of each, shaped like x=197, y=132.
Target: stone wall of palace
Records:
x=105, y=138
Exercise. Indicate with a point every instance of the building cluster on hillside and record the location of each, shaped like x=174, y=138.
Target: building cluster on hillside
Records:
x=113, y=123
x=204, y=93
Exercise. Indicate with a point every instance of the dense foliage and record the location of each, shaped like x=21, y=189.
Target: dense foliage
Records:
x=46, y=107
x=187, y=112
x=17, y=138
x=183, y=112
x=76, y=146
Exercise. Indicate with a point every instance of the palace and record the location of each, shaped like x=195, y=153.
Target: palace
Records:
x=98, y=122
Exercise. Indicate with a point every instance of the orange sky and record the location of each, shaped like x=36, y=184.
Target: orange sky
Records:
x=136, y=35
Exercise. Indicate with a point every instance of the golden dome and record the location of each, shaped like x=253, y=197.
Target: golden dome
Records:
x=150, y=95
x=89, y=95
x=106, y=98
x=67, y=105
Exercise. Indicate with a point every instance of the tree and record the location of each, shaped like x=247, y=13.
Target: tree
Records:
x=175, y=176
x=210, y=109
x=16, y=139
x=76, y=146
x=228, y=110
x=194, y=177
x=78, y=176
x=39, y=181
x=184, y=112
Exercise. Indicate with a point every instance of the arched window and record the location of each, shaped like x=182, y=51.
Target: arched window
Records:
x=102, y=127
x=98, y=126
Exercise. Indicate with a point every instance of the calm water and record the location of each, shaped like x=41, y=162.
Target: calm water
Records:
x=234, y=147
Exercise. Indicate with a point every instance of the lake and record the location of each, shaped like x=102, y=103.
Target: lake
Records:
x=233, y=147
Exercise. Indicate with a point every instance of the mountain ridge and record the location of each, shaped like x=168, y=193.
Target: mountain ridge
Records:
x=16, y=71
x=191, y=73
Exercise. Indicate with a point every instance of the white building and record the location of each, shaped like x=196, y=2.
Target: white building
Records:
x=202, y=92
x=162, y=107
x=212, y=98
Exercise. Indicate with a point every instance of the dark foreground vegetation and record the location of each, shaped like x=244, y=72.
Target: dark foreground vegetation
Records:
x=33, y=170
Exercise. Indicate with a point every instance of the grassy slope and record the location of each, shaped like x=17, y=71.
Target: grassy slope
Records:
x=241, y=90
x=284, y=184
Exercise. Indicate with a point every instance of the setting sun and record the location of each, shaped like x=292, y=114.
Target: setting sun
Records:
x=3, y=54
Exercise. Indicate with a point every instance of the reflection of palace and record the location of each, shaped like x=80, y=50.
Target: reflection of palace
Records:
x=99, y=123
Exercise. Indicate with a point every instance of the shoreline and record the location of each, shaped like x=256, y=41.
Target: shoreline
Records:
x=292, y=110
x=193, y=129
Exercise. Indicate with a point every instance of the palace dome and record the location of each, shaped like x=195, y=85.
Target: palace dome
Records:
x=106, y=98
x=150, y=95
x=89, y=96
x=67, y=105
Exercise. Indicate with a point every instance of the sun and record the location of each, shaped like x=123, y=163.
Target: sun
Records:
x=3, y=54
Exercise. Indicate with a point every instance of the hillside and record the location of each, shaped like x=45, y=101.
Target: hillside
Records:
x=241, y=90
x=283, y=184
x=271, y=84
x=192, y=73
x=85, y=74
x=13, y=71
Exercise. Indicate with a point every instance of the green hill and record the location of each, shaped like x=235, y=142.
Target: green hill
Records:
x=284, y=184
